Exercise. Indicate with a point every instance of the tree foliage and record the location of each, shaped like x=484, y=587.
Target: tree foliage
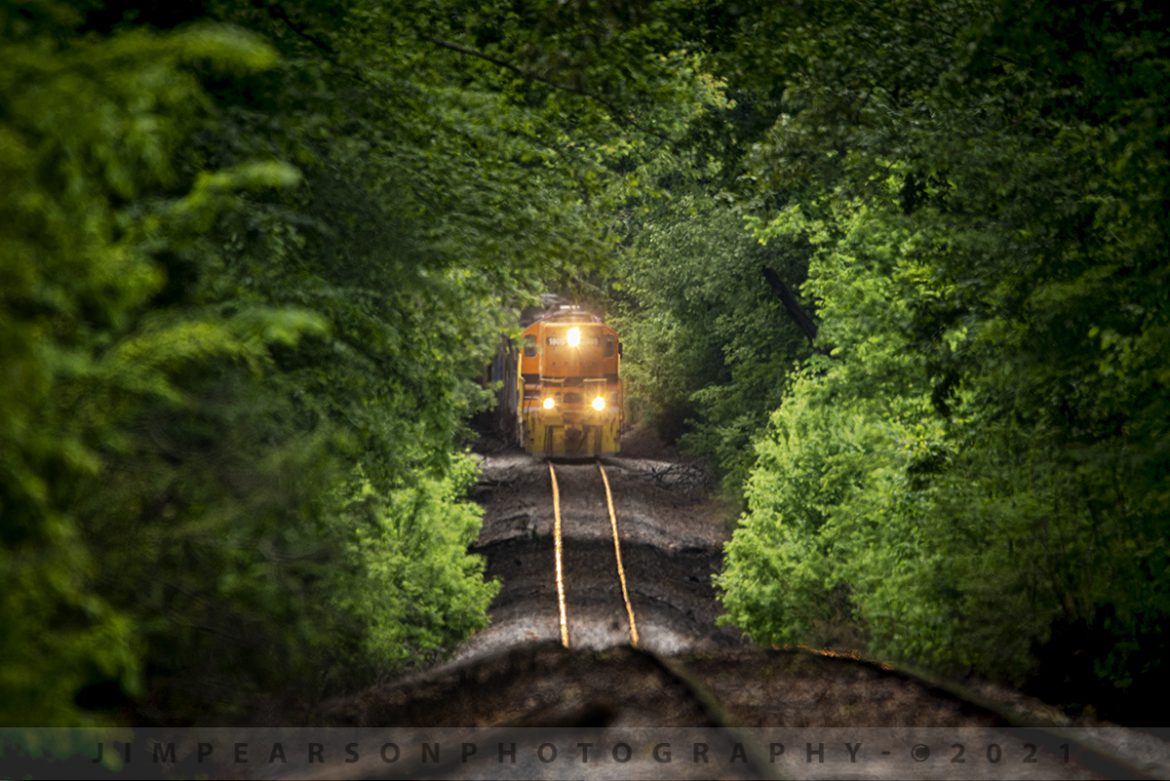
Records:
x=707, y=338
x=975, y=480
x=254, y=256
x=252, y=260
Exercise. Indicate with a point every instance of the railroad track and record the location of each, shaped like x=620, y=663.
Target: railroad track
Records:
x=632, y=622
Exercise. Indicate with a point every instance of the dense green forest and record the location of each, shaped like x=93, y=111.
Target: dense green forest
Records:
x=973, y=472
x=897, y=269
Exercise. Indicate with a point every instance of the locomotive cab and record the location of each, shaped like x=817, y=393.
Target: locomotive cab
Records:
x=568, y=386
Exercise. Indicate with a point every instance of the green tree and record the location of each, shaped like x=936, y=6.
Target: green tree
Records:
x=89, y=135
x=975, y=478
x=254, y=258
x=707, y=338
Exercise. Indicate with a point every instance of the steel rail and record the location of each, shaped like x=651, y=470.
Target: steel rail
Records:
x=559, y=555
x=617, y=552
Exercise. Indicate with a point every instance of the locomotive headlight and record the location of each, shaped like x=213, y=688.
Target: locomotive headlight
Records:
x=549, y=403
x=599, y=404
x=573, y=337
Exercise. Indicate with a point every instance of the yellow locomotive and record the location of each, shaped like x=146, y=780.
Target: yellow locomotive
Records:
x=562, y=390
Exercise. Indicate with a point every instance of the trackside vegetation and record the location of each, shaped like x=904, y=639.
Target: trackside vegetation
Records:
x=971, y=474
x=253, y=258
x=953, y=446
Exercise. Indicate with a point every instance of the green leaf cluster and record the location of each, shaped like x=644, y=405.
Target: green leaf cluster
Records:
x=87, y=144
x=253, y=258
x=974, y=478
x=706, y=338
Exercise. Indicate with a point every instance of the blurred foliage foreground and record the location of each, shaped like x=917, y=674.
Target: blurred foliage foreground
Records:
x=217, y=457
x=252, y=260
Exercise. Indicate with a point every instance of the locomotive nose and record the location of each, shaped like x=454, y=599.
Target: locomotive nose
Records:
x=566, y=390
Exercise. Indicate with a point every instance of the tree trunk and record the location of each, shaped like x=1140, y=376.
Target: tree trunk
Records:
x=788, y=298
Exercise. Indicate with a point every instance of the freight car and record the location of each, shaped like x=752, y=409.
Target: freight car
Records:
x=561, y=390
